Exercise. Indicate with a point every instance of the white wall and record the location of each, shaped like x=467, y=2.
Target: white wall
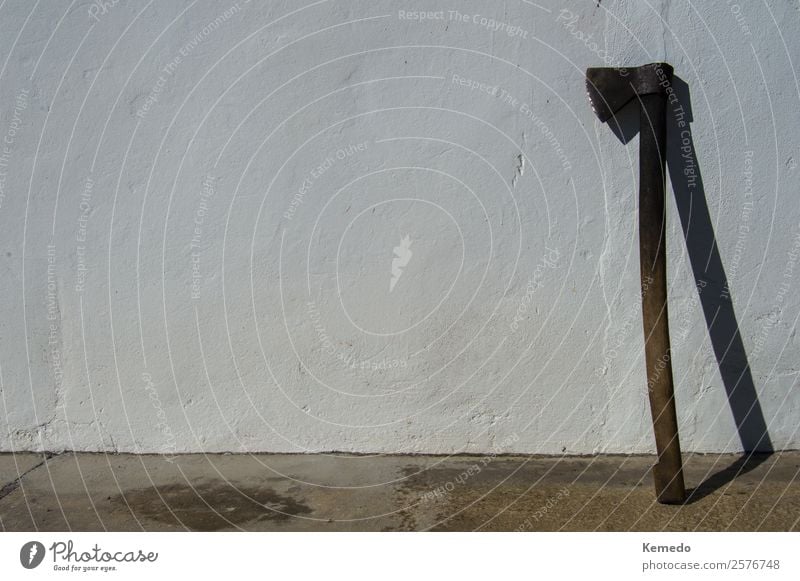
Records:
x=187, y=264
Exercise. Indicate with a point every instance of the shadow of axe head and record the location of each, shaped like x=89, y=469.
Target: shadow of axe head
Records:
x=611, y=89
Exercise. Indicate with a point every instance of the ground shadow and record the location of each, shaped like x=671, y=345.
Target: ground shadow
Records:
x=744, y=464
x=711, y=283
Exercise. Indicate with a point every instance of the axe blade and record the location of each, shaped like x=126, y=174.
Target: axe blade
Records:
x=610, y=89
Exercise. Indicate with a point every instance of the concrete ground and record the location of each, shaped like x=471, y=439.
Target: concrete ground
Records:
x=120, y=492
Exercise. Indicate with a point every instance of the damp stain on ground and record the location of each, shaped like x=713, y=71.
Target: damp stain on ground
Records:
x=209, y=506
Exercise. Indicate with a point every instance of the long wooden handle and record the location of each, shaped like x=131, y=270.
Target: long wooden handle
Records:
x=668, y=472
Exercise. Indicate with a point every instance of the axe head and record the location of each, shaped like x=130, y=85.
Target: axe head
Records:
x=611, y=89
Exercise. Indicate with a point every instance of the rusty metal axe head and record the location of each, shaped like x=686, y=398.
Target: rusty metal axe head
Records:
x=610, y=89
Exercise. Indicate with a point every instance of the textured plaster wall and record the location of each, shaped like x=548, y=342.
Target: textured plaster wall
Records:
x=342, y=226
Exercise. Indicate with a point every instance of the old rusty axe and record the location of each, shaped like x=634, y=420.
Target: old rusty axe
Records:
x=609, y=90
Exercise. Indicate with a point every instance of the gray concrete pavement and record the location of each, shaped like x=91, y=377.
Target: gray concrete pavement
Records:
x=12, y=466
x=341, y=493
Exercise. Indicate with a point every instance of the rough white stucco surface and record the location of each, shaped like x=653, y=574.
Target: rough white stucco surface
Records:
x=334, y=226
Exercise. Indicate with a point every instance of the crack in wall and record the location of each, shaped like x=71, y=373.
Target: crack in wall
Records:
x=519, y=170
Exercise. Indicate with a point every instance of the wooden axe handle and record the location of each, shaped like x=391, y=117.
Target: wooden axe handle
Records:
x=668, y=472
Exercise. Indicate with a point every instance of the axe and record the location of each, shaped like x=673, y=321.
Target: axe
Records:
x=609, y=90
